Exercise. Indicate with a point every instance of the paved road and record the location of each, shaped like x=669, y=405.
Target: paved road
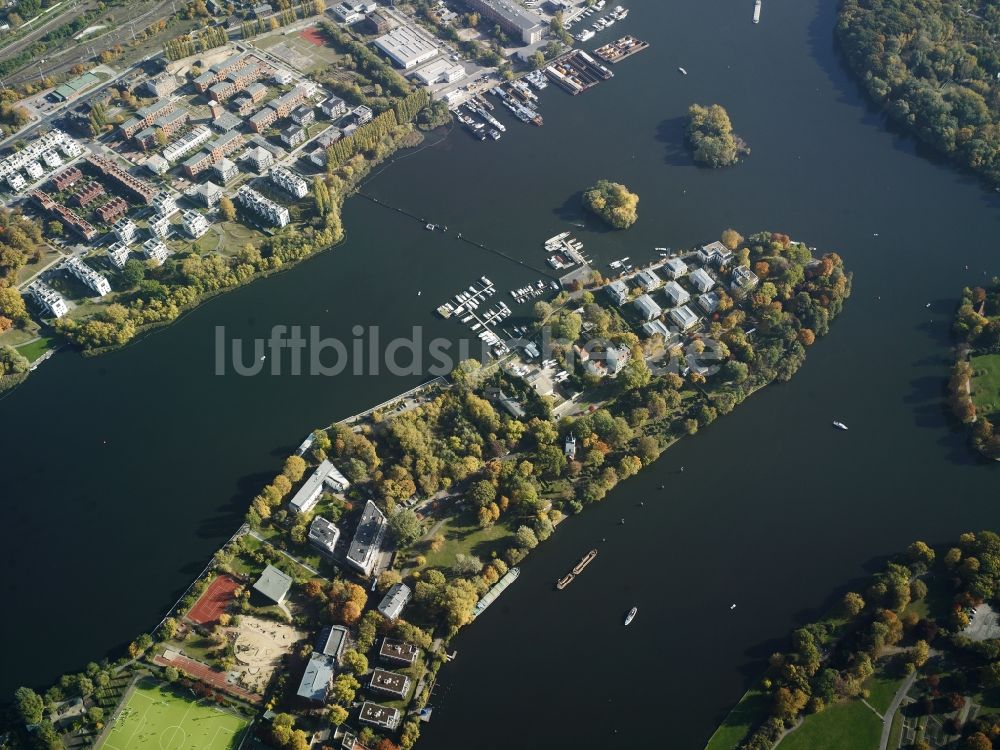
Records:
x=893, y=707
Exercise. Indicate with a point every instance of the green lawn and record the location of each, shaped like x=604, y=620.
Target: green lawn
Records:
x=35, y=349
x=986, y=386
x=844, y=726
x=463, y=536
x=157, y=717
x=882, y=689
x=753, y=706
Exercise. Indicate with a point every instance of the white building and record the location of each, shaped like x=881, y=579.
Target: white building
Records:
x=367, y=540
x=155, y=251
x=51, y=159
x=265, y=209
x=440, y=71
x=48, y=298
x=323, y=535
x=701, y=280
x=191, y=140
x=618, y=291
x=17, y=182
x=34, y=170
x=165, y=204
x=326, y=476
x=94, y=280
x=195, y=224
x=647, y=308
x=407, y=46
x=683, y=318
x=126, y=230
x=675, y=268
x=157, y=164
x=225, y=170
x=676, y=294
x=648, y=280
x=289, y=182
x=709, y=302
x=159, y=227
x=715, y=253
x=259, y=158
x=118, y=254
x=744, y=279
x=391, y=606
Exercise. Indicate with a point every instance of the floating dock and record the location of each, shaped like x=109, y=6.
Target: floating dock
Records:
x=491, y=596
x=576, y=71
x=567, y=579
x=617, y=51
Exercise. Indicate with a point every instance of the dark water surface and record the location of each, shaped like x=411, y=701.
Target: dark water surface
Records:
x=123, y=473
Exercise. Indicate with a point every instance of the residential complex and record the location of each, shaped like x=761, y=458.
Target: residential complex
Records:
x=48, y=298
x=289, y=182
x=367, y=540
x=264, y=208
x=94, y=280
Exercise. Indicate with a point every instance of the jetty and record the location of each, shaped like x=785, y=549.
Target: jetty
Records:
x=617, y=51
x=491, y=596
x=576, y=71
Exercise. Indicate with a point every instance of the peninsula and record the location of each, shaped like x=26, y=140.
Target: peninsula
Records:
x=327, y=616
x=974, y=388
x=908, y=661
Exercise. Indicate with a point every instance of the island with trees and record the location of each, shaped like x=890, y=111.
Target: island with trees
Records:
x=710, y=136
x=613, y=202
x=974, y=388
x=909, y=660
x=467, y=475
x=932, y=66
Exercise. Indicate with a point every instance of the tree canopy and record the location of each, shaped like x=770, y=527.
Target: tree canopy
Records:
x=613, y=202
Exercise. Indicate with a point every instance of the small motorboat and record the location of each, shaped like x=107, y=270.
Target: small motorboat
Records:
x=682, y=71
x=631, y=615
x=839, y=425
x=732, y=606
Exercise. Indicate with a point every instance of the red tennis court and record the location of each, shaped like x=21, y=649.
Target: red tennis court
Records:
x=214, y=601
x=313, y=36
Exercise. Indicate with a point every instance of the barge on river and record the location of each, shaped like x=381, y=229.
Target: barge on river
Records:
x=619, y=50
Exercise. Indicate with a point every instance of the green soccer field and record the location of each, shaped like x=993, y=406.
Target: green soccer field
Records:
x=156, y=717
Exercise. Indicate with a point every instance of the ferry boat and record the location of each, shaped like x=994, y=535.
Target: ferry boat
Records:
x=839, y=425
x=631, y=615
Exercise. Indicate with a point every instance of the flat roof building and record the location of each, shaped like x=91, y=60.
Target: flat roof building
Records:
x=332, y=641
x=48, y=298
x=715, y=253
x=274, y=584
x=389, y=683
x=308, y=494
x=675, y=268
x=394, y=600
x=683, y=318
x=367, y=539
x=399, y=652
x=379, y=715
x=323, y=535
x=407, y=47
x=513, y=18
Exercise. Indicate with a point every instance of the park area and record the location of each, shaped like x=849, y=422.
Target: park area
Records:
x=986, y=384
x=155, y=716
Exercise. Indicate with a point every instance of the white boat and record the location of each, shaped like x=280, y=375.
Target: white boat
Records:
x=631, y=615
x=585, y=35
x=682, y=71
x=756, y=12
x=839, y=425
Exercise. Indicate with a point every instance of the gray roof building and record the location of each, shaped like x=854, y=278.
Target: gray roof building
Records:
x=323, y=535
x=647, y=309
x=389, y=683
x=317, y=678
x=274, y=584
x=618, y=290
x=648, y=280
x=308, y=495
x=227, y=121
x=394, y=600
x=676, y=294
x=701, y=279
x=332, y=641
x=379, y=715
x=398, y=651
x=367, y=539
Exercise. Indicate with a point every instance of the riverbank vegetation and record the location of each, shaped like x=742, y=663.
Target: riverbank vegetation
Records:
x=474, y=475
x=613, y=202
x=711, y=138
x=915, y=649
x=933, y=67
x=974, y=388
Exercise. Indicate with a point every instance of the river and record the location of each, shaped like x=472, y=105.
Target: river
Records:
x=123, y=473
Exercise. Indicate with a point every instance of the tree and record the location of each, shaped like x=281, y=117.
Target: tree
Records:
x=12, y=305
x=710, y=135
x=526, y=538
x=853, y=603
x=30, y=706
x=731, y=239
x=338, y=715
x=294, y=468
x=920, y=552
x=977, y=741
x=355, y=662
x=344, y=688
x=789, y=703
x=226, y=209
x=133, y=272
x=405, y=527
x=467, y=565
x=613, y=202
x=919, y=654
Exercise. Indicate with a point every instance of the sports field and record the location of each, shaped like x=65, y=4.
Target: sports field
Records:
x=156, y=717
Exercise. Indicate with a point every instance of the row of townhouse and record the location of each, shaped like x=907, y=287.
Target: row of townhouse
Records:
x=169, y=124
x=142, y=191
x=188, y=142
x=67, y=216
x=249, y=98
x=278, y=108
x=88, y=194
x=67, y=178
x=113, y=210
x=221, y=147
x=232, y=68
x=146, y=116
x=237, y=81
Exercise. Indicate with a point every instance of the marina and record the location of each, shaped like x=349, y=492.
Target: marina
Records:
x=566, y=251
x=617, y=51
x=532, y=291
x=491, y=596
x=465, y=305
